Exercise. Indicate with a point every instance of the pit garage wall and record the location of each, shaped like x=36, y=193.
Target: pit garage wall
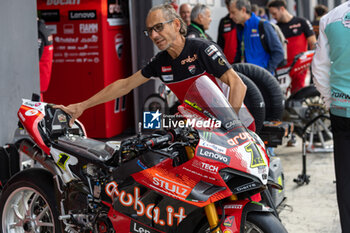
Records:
x=19, y=65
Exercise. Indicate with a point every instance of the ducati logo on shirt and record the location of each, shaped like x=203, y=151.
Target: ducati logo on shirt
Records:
x=166, y=69
x=192, y=69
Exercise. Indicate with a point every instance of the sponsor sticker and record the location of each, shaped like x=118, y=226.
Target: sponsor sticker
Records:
x=211, y=50
x=214, y=147
x=88, y=28
x=62, y=2
x=31, y=112
x=168, y=77
x=136, y=227
x=68, y=29
x=203, y=152
x=82, y=15
x=166, y=69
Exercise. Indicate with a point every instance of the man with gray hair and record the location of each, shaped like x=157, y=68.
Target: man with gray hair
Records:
x=179, y=63
x=200, y=21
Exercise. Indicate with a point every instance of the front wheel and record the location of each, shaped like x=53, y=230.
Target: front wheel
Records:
x=27, y=204
x=257, y=222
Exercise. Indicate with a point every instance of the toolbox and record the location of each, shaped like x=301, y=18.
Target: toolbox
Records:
x=274, y=133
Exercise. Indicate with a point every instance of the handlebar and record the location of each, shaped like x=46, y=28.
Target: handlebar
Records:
x=170, y=136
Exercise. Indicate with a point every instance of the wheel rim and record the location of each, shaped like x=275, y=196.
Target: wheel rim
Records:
x=26, y=210
x=251, y=228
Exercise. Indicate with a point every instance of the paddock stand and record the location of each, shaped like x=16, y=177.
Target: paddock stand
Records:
x=315, y=124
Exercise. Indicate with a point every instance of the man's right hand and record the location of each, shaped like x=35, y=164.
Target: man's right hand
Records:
x=74, y=110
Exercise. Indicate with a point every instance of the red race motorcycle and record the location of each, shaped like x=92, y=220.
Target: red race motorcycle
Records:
x=196, y=177
x=300, y=64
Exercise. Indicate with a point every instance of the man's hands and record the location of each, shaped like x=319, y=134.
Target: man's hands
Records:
x=74, y=110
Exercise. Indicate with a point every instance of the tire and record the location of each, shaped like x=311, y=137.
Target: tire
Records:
x=155, y=102
x=268, y=86
x=257, y=222
x=28, y=201
x=307, y=104
x=254, y=102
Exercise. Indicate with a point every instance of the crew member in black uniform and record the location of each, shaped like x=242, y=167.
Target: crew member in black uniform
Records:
x=180, y=62
x=299, y=33
x=227, y=37
x=200, y=21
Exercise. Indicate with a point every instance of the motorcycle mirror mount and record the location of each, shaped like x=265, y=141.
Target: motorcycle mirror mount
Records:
x=139, y=133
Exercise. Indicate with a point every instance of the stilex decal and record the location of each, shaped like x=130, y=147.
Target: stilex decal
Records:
x=257, y=159
x=151, y=211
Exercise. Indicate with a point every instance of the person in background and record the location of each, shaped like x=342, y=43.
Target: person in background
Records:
x=299, y=34
x=185, y=13
x=200, y=21
x=331, y=70
x=262, y=13
x=255, y=9
x=319, y=11
x=251, y=48
x=45, y=44
x=227, y=37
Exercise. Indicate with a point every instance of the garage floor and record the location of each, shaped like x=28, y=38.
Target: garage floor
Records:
x=310, y=208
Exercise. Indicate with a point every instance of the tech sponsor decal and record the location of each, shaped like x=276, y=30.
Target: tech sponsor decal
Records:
x=205, y=166
x=151, y=211
x=206, y=153
x=136, y=227
x=82, y=15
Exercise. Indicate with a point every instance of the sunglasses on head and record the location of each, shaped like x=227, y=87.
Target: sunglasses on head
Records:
x=157, y=28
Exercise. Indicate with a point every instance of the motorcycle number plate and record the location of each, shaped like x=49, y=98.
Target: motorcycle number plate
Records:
x=284, y=81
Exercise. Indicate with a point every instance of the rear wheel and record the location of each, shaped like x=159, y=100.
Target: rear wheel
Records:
x=27, y=204
x=256, y=222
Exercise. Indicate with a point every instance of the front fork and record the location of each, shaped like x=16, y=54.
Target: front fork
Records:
x=212, y=215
